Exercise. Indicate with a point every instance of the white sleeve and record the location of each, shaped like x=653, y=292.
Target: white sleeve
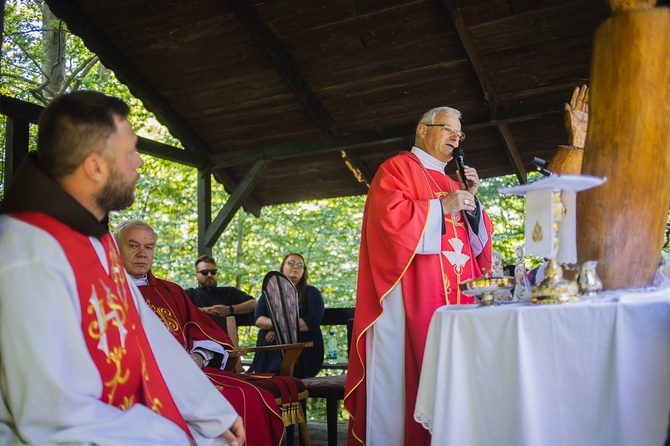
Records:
x=481, y=238
x=431, y=240
x=208, y=348
x=49, y=387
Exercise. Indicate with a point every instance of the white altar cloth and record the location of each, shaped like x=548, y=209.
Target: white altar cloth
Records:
x=585, y=374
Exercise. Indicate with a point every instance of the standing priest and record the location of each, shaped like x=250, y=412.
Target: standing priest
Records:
x=422, y=234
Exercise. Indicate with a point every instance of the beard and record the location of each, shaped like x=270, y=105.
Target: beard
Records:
x=117, y=194
x=209, y=283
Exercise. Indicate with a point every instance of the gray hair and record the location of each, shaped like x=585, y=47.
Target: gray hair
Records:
x=126, y=225
x=430, y=115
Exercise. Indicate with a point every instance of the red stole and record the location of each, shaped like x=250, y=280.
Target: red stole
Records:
x=111, y=325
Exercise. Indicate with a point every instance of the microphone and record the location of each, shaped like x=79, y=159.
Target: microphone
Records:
x=541, y=166
x=458, y=155
x=473, y=218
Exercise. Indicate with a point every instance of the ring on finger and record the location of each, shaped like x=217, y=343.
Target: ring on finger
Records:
x=466, y=201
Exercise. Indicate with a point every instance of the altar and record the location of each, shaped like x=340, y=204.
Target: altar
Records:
x=595, y=372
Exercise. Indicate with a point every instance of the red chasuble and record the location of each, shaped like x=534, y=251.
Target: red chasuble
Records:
x=256, y=406
x=394, y=220
x=111, y=325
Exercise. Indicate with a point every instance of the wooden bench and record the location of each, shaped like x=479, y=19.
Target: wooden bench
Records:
x=331, y=316
x=332, y=387
x=340, y=316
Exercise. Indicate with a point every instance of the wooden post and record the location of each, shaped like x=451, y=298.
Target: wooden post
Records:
x=621, y=223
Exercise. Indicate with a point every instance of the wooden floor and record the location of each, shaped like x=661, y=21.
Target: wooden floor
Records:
x=318, y=433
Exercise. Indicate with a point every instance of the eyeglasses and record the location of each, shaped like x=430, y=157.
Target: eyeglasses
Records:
x=299, y=265
x=207, y=272
x=449, y=129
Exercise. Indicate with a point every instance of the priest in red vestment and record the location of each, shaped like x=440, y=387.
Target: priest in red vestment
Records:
x=422, y=234
x=83, y=360
x=200, y=336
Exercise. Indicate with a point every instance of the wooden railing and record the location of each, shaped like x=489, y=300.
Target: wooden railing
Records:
x=332, y=316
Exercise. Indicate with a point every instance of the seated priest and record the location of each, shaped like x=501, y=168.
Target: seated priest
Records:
x=200, y=336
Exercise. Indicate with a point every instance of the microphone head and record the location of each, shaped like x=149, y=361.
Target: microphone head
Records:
x=458, y=154
x=539, y=162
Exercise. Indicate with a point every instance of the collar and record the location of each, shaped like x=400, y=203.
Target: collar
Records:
x=428, y=161
x=144, y=280
x=32, y=190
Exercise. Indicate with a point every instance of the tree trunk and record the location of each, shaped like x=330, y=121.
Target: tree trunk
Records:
x=53, y=68
x=2, y=27
x=621, y=223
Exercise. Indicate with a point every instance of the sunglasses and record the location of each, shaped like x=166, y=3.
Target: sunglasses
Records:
x=207, y=272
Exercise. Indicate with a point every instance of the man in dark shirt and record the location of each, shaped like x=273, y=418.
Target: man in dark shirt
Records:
x=219, y=300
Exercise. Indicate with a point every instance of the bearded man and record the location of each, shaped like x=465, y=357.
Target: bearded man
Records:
x=83, y=360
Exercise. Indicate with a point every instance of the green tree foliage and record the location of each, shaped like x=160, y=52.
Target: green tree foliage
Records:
x=21, y=49
x=325, y=232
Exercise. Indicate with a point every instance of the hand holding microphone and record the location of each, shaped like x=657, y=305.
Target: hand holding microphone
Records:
x=458, y=155
x=472, y=216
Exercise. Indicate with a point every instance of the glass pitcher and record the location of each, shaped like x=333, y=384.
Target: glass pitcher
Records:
x=588, y=281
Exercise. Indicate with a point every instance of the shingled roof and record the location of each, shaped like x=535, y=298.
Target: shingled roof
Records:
x=294, y=100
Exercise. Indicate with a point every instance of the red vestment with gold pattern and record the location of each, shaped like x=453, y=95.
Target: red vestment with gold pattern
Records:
x=256, y=406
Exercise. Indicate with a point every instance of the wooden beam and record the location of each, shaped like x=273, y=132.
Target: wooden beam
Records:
x=513, y=154
x=359, y=170
x=17, y=139
x=224, y=177
x=234, y=202
x=471, y=50
x=349, y=142
x=284, y=64
x=310, y=147
x=17, y=108
x=79, y=23
x=170, y=153
x=204, y=210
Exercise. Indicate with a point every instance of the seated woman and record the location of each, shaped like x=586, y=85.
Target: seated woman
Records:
x=311, y=308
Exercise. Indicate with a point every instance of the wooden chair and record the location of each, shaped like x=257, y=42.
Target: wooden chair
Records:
x=282, y=302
